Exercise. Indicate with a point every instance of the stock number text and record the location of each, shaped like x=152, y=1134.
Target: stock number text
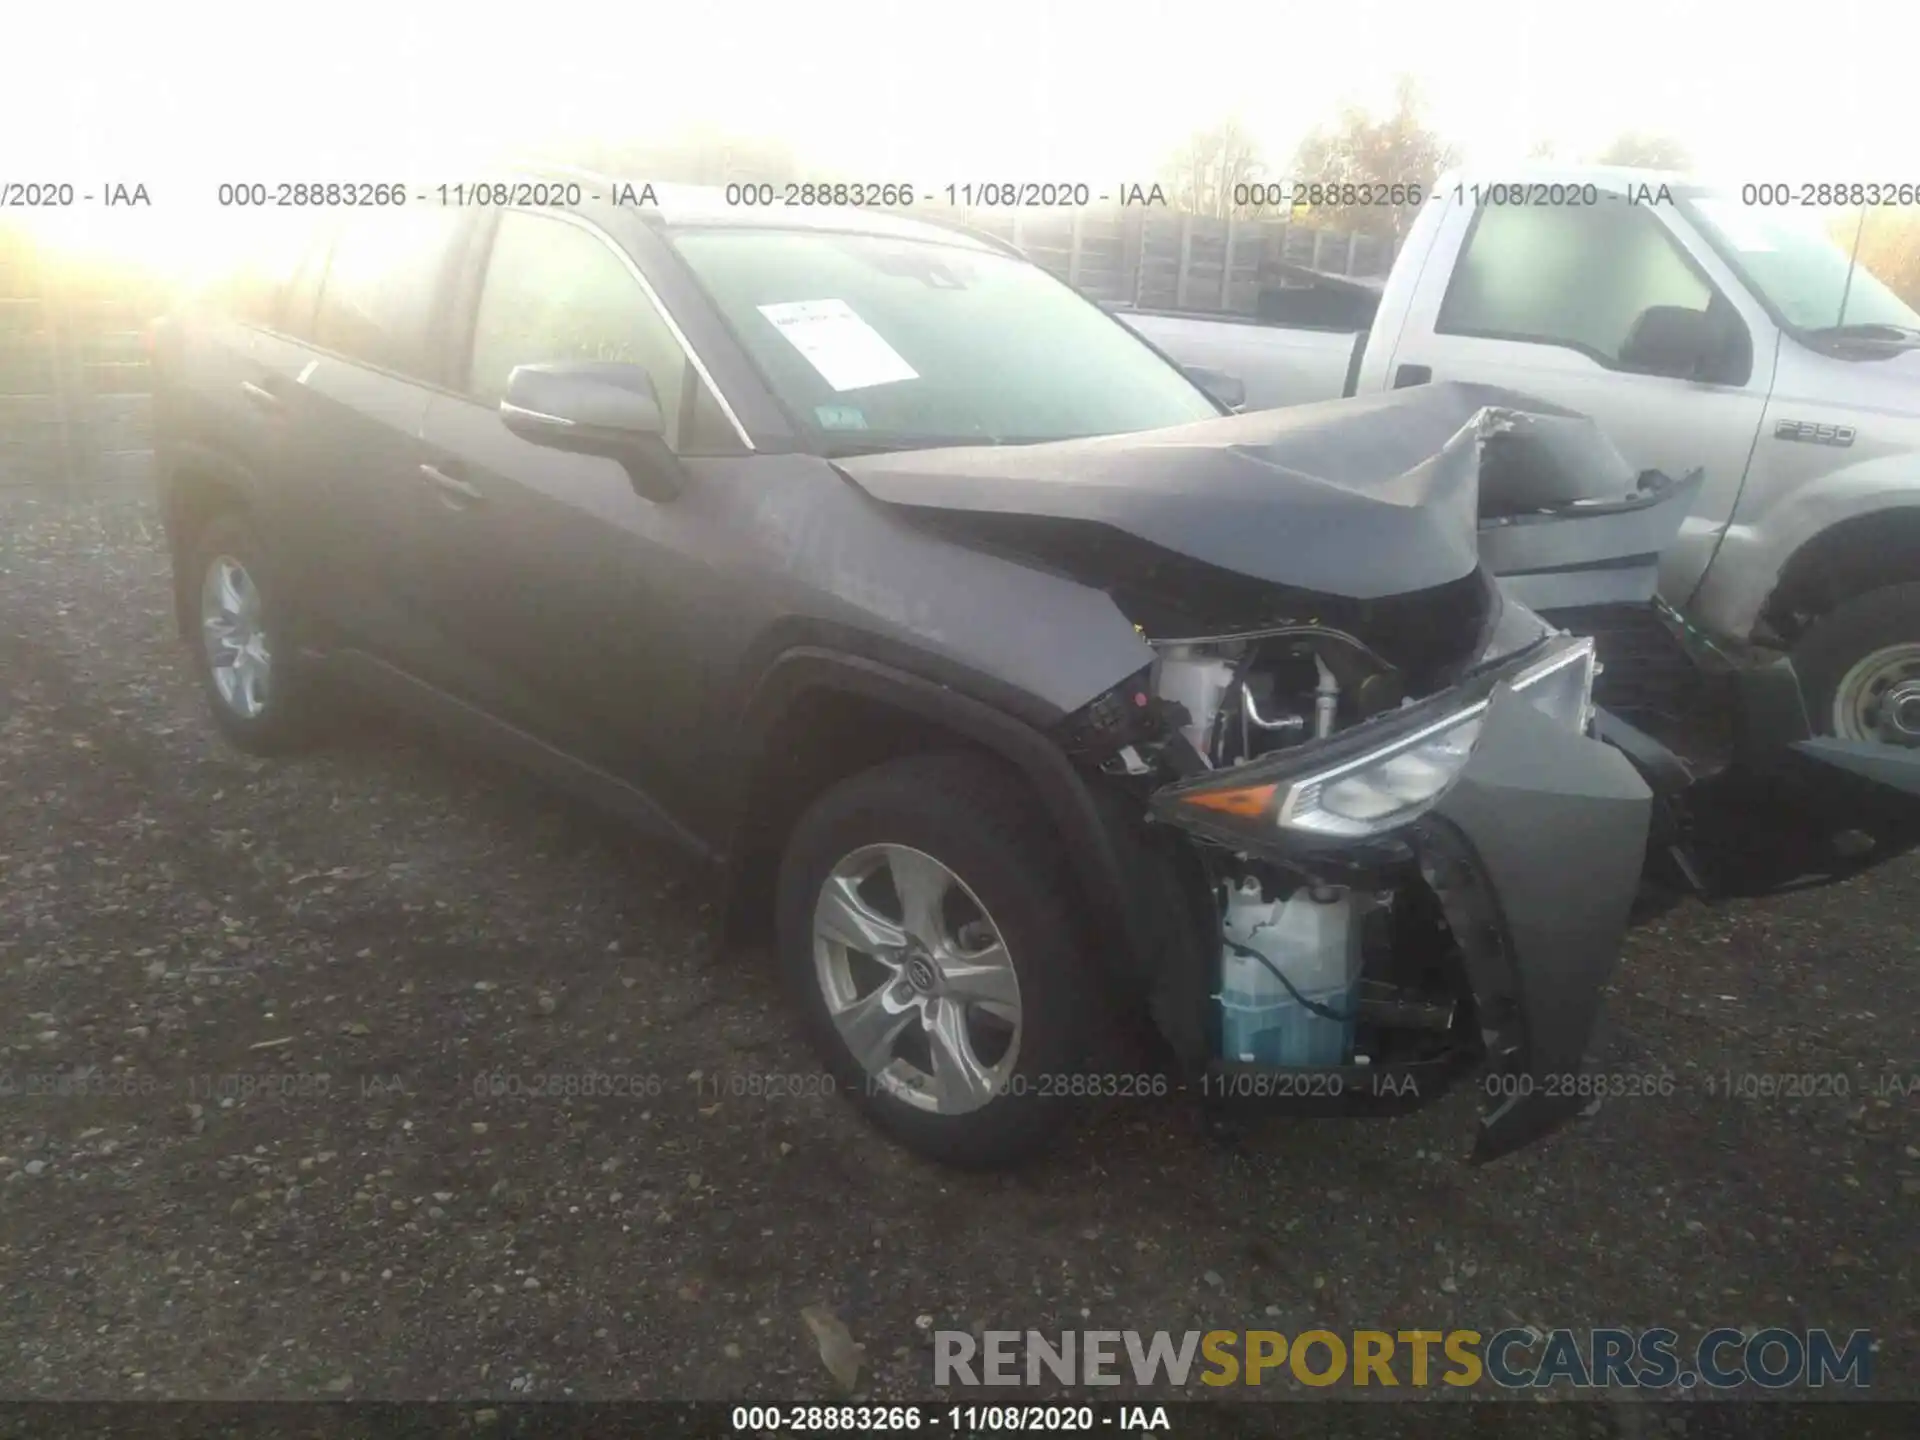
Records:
x=300, y=194
x=817, y=192
x=1833, y=192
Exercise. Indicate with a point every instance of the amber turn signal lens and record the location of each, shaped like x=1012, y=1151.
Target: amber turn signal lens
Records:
x=1249, y=803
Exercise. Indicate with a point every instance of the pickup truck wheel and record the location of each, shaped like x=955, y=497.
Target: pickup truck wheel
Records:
x=925, y=923
x=257, y=686
x=1860, y=668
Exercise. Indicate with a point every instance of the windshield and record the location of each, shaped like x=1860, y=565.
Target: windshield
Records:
x=1788, y=258
x=886, y=343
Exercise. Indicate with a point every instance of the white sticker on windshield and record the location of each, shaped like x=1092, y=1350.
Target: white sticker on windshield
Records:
x=1743, y=230
x=848, y=352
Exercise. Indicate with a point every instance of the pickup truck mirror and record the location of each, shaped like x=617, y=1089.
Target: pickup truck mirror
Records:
x=1673, y=340
x=1227, y=390
x=596, y=407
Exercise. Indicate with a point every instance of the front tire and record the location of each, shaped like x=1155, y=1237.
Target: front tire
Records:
x=1859, y=666
x=927, y=926
x=259, y=688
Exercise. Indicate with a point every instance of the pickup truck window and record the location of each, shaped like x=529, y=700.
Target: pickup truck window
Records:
x=1578, y=276
x=555, y=290
x=1794, y=267
x=383, y=287
x=877, y=342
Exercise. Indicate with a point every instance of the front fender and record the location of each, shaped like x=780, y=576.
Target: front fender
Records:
x=1753, y=554
x=1115, y=904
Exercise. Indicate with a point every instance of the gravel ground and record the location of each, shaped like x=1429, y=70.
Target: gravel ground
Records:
x=290, y=990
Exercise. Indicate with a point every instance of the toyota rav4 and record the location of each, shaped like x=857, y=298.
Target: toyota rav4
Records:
x=1025, y=689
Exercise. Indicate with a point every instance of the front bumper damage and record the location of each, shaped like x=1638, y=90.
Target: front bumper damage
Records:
x=1533, y=854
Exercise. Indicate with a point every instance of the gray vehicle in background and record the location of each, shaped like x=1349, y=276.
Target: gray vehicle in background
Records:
x=1024, y=691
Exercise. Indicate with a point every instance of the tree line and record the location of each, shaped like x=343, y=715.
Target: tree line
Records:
x=1224, y=162
x=1217, y=169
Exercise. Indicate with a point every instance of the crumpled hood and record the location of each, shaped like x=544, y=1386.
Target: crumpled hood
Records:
x=1358, y=498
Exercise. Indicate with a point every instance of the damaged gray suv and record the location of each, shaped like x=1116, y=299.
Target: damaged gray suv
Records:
x=1026, y=690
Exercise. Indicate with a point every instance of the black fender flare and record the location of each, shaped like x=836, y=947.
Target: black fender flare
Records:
x=1091, y=849
x=210, y=463
x=195, y=457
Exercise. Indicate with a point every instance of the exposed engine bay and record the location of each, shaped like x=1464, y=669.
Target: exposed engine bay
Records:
x=1325, y=969
x=1249, y=696
x=1335, y=954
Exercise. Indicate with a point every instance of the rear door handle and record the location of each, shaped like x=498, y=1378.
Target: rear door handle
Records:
x=260, y=396
x=452, y=487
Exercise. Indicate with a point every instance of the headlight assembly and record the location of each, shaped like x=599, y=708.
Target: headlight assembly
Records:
x=1561, y=683
x=1380, y=790
x=1377, y=776
x=1515, y=627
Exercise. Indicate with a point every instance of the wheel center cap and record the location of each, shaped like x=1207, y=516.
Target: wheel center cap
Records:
x=1904, y=709
x=921, y=974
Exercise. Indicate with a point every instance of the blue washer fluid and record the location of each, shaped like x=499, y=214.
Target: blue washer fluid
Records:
x=1315, y=944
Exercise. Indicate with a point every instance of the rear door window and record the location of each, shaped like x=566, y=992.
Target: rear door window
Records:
x=385, y=287
x=302, y=293
x=250, y=278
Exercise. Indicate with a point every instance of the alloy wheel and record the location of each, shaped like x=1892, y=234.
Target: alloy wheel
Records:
x=235, y=637
x=917, y=979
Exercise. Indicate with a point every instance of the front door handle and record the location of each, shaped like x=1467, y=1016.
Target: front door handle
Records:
x=260, y=396
x=1407, y=376
x=452, y=488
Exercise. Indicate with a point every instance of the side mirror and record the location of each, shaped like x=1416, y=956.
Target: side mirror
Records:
x=596, y=407
x=1227, y=390
x=1673, y=340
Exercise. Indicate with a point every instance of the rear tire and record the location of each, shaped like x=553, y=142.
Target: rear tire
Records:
x=1859, y=667
x=262, y=692
x=948, y=870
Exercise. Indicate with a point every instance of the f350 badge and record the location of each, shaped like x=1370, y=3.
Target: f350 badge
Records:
x=1808, y=433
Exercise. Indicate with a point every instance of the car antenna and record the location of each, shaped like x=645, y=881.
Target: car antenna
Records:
x=1853, y=262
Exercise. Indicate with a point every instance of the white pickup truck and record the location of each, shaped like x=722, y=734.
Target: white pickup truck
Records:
x=1699, y=330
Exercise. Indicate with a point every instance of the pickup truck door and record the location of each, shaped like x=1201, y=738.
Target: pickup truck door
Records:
x=1544, y=298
